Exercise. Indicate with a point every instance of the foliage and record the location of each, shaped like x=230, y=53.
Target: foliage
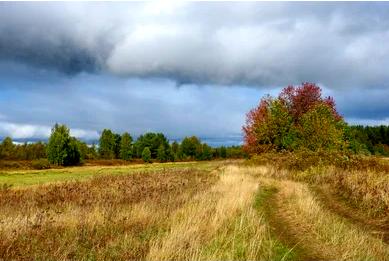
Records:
x=189, y=146
x=6, y=148
x=40, y=164
x=126, y=146
x=107, y=144
x=76, y=151
x=61, y=148
x=369, y=139
x=146, y=155
x=86, y=151
x=298, y=118
x=151, y=140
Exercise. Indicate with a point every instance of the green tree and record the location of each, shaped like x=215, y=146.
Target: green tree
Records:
x=126, y=146
x=206, y=152
x=191, y=146
x=161, y=153
x=107, y=144
x=320, y=130
x=7, y=148
x=151, y=140
x=223, y=152
x=61, y=148
x=146, y=155
x=117, y=145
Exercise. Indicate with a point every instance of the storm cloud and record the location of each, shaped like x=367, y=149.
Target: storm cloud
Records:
x=260, y=44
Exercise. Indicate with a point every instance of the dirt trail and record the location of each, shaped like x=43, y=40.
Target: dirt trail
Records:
x=301, y=222
x=378, y=227
x=283, y=230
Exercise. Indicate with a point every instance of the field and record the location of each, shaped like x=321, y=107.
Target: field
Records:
x=217, y=210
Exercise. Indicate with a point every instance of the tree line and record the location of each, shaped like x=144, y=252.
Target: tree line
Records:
x=370, y=139
x=63, y=149
x=301, y=119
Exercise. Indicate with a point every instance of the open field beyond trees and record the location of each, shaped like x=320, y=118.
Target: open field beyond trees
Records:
x=217, y=210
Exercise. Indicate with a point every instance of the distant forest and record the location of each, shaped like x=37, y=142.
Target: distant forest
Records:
x=62, y=149
x=372, y=139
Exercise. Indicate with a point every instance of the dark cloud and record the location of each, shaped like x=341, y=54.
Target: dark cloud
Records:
x=261, y=44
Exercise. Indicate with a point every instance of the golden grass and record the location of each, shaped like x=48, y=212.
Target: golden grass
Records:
x=198, y=221
x=112, y=217
x=198, y=212
x=219, y=224
x=334, y=236
x=321, y=230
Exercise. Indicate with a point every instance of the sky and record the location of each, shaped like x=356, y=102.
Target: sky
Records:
x=184, y=68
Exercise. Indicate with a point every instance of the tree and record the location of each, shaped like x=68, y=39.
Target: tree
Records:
x=298, y=118
x=161, y=153
x=320, y=130
x=190, y=146
x=117, y=145
x=146, y=155
x=7, y=148
x=206, y=152
x=61, y=148
x=126, y=146
x=151, y=140
x=301, y=99
x=107, y=144
x=223, y=152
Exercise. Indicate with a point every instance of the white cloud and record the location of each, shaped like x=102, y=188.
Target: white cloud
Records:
x=23, y=131
x=20, y=131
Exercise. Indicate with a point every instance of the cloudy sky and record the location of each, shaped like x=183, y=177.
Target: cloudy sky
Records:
x=184, y=68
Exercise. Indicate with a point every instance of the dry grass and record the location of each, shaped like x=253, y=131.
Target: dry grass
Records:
x=199, y=221
x=159, y=215
x=316, y=228
x=364, y=184
x=111, y=217
x=219, y=224
x=192, y=212
x=326, y=232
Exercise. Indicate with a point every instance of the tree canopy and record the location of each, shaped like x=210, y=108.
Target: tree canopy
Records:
x=298, y=118
x=62, y=149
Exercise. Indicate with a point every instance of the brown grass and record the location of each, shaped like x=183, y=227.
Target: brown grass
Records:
x=111, y=217
x=329, y=234
x=363, y=182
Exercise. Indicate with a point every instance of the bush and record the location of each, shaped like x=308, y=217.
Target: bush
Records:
x=4, y=164
x=40, y=164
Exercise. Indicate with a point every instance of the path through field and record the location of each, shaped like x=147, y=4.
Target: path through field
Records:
x=214, y=211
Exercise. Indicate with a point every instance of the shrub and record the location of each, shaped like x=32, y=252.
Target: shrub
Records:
x=40, y=164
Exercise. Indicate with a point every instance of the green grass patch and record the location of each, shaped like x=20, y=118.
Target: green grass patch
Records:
x=37, y=177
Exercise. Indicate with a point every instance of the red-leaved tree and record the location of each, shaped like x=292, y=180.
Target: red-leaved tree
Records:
x=301, y=99
x=254, y=118
x=279, y=123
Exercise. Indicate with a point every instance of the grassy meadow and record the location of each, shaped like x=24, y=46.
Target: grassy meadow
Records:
x=212, y=210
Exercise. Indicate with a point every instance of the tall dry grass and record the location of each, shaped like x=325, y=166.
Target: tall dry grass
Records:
x=326, y=232
x=362, y=181
x=111, y=217
x=219, y=224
